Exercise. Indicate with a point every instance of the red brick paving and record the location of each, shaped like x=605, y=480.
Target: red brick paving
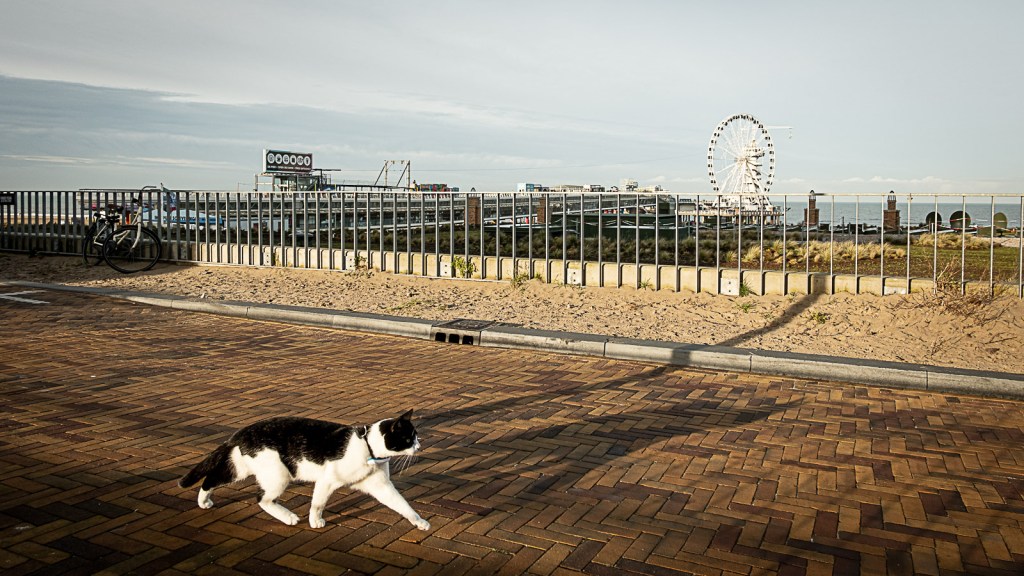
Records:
x=532, y=463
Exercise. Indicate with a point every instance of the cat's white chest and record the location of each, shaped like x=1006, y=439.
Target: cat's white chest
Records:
x=349, y=471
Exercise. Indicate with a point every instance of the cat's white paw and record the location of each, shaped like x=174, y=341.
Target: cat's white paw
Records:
x=292, y=519
x=317, y=522
x=421, y=524
x=205, y=502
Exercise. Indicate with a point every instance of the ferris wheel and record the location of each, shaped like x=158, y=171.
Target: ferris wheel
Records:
x=741, y=157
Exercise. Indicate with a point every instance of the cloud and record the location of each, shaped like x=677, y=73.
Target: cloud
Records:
x=115, y=161
x=662, y=179
x=926, y=181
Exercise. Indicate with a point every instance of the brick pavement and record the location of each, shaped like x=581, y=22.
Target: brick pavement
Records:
x=532, y=463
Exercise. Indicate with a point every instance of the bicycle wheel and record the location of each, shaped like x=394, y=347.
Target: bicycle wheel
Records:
x=91, y=248
x=126, y=251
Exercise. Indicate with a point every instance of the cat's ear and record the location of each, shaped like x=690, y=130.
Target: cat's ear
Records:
x=406, y=416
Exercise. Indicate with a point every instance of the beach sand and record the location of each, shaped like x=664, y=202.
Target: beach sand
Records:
x=979, y=333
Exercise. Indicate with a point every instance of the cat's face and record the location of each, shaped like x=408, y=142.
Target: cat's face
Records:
x=400, y=435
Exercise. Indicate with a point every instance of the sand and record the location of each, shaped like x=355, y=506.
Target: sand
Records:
x=943, y=330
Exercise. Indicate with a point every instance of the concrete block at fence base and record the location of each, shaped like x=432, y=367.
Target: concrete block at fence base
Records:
x=630, y=275
x=380, y=323
x=922, y=285
x=543, y=340
x=869, y=285
x=688, y=279
x=896, y=286
x=488, y=269
x=774, y=283
x=694, y=355
x=335, y=259
x=505, y=269
x=574, y=276
x=845, y=283
x=667, y=279
x=433, y=266
x=820, y=283
x=648, y=276
x=831, y=368
x=709, y=280
x=754, y=281
x=798, y=283
x=729, y=283
x=976, y=382
x=529, y=268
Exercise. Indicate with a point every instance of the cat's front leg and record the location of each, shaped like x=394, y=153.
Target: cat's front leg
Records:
x=322, y=491
x=384, y=491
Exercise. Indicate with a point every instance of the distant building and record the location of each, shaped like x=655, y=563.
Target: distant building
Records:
x=434, y=188
x=891, y=216
x=568, y=188
x=812, y=212
x=530, y=187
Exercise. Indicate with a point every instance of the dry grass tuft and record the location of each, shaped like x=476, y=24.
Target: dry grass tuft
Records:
x=952, y=241
x=819, y=252
x=950, y=297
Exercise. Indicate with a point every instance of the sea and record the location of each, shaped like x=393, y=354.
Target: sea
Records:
x=870, y=212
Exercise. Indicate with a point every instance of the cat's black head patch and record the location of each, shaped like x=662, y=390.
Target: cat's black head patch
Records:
x=399, y=433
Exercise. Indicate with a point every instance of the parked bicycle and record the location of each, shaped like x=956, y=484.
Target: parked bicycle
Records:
x=129, y=247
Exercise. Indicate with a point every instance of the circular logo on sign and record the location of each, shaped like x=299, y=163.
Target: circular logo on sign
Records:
x=307, y=160
x=270, y=157
x=278, y=158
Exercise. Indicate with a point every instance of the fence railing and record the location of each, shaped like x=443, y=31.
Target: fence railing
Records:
x=882, y=243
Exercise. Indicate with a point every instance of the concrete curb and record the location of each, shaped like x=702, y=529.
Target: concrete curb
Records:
x=874, y=372
x=546, y=340
x=785, y=364
x=695, y=355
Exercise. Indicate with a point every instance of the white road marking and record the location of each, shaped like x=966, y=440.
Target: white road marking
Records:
x=14, y=296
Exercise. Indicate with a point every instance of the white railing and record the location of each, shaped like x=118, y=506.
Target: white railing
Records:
x=878, y=243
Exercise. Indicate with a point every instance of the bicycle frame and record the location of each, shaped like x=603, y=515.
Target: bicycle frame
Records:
x=109, y=219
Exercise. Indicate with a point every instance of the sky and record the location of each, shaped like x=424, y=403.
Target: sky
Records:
x=860, y=97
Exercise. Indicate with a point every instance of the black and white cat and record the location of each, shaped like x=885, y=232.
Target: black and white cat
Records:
x=281, y=450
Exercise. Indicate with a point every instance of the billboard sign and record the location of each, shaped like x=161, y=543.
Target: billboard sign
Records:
x=282, y=162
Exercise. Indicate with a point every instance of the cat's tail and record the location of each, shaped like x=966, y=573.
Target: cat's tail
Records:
x=217, y=460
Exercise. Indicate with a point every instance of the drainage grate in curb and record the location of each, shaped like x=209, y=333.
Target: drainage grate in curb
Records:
x=460, y=331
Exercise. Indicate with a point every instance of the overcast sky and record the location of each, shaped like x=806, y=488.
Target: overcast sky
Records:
x=915, y=96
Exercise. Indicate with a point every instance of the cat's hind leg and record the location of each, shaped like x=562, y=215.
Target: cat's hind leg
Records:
x=224, y=471
x=273, y=478
x=205, y=501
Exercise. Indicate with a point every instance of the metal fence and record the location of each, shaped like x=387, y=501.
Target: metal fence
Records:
x=880, y=243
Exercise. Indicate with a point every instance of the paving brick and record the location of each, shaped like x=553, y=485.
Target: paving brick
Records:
x=532, y=462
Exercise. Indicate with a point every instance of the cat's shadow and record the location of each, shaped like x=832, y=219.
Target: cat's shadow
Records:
x=592, y=429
